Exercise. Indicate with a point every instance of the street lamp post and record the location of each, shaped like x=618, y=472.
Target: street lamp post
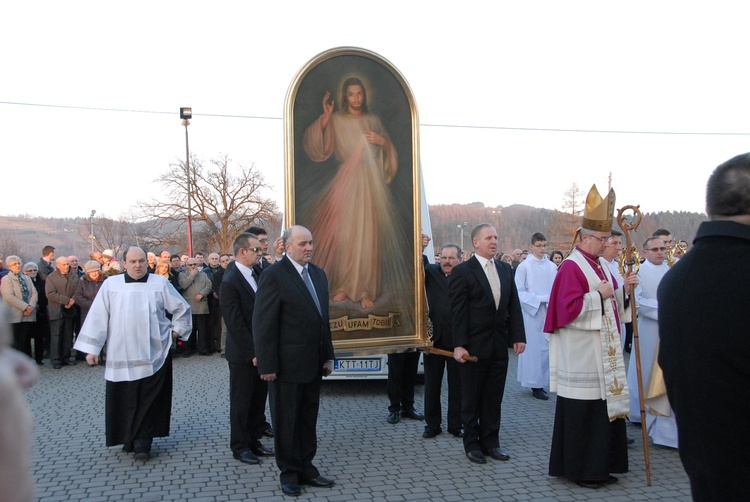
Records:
x=91, y=235
x=186, y=114
x=461, y=228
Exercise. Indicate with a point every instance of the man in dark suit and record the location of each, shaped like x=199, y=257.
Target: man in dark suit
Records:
x=266, y=259
x=436, y=279
x=45, y=263
x=486, y=317
x=294, y=350
x=247, y=392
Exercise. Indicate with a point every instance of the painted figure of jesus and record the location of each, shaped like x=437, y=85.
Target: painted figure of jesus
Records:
x=352, y=219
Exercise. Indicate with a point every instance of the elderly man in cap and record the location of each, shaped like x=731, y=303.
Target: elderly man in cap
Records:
x=587, y=370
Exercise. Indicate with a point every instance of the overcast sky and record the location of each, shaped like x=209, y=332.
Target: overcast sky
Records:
x=517, y=100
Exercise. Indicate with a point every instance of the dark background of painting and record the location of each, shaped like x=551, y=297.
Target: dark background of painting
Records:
x=387, y=99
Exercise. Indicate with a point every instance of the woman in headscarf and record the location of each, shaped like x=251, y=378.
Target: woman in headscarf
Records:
x=88, y=287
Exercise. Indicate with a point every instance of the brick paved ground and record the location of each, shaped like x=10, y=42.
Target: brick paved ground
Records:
x=368, y=458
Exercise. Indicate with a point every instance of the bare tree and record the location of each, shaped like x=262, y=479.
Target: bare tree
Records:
x=9, y=246
x=568, y=219
x=224, y=201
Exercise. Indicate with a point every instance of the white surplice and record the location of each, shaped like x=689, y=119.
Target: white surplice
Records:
x=534, y=278
x=662, y=429
x=131, y=319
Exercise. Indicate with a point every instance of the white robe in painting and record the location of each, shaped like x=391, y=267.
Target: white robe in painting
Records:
x=534, y=279
x=131, y=319
x=353, y=220
x=662, y=429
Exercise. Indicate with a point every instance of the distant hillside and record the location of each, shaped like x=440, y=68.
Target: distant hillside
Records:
x=515, y=224
x=26, y=236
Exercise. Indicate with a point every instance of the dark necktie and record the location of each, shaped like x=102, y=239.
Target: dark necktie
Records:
x=308, y=283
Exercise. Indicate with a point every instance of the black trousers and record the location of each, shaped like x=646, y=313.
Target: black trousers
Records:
x=294, y=411
x=200, y=338
x=247, y=406
x=482, y=389
x=22, y=337
x=61, y=339
x=434, y=369
x=214, y=323
x=402, y=375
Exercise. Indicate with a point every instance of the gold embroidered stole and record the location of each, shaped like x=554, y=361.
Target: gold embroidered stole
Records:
x=613, y=364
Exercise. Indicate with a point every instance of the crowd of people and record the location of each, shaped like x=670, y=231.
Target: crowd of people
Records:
x=565, y=319
x=48, y=300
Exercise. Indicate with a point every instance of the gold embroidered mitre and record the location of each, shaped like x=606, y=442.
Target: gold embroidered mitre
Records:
x=598, y=213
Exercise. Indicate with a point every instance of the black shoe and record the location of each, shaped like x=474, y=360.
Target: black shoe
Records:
x=291, y=489
x=459, y=433
x=429, y=432
x=247, y=457
x=223, y=356
x=476, y=456
x=319, y=482
x=142, y=449
x=539, y=394
x=56, y=366
x=630, y=441
x=497, y=454
x=267, y=431
x=589, y=484
x=411, y=413
x=40, y=363
x=393, y=418
x=68, y=363
x=204, y=353
x=261, y=450
x=127, y=448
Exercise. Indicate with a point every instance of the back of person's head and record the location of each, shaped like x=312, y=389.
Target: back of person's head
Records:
x=255, y=231
x=728, y=189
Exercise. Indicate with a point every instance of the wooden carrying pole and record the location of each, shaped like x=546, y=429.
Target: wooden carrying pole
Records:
x=447, y=353
x=628, y=227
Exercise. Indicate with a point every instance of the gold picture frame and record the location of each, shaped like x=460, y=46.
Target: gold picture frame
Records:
x=353, y=178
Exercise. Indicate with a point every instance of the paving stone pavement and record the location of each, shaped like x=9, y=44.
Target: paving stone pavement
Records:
x=370, y=459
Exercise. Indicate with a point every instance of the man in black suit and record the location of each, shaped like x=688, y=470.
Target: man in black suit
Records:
x=266, y=259
x=247, y=392
x=486, y=316
x=294, y=350
x=436, y=279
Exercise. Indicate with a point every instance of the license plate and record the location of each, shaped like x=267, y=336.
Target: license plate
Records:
x=356, y=365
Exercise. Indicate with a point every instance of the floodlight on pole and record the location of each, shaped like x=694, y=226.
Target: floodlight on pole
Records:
x=186, y=113
x=91, y=235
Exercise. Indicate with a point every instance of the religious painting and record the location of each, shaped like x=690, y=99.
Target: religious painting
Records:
x=352, y=178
